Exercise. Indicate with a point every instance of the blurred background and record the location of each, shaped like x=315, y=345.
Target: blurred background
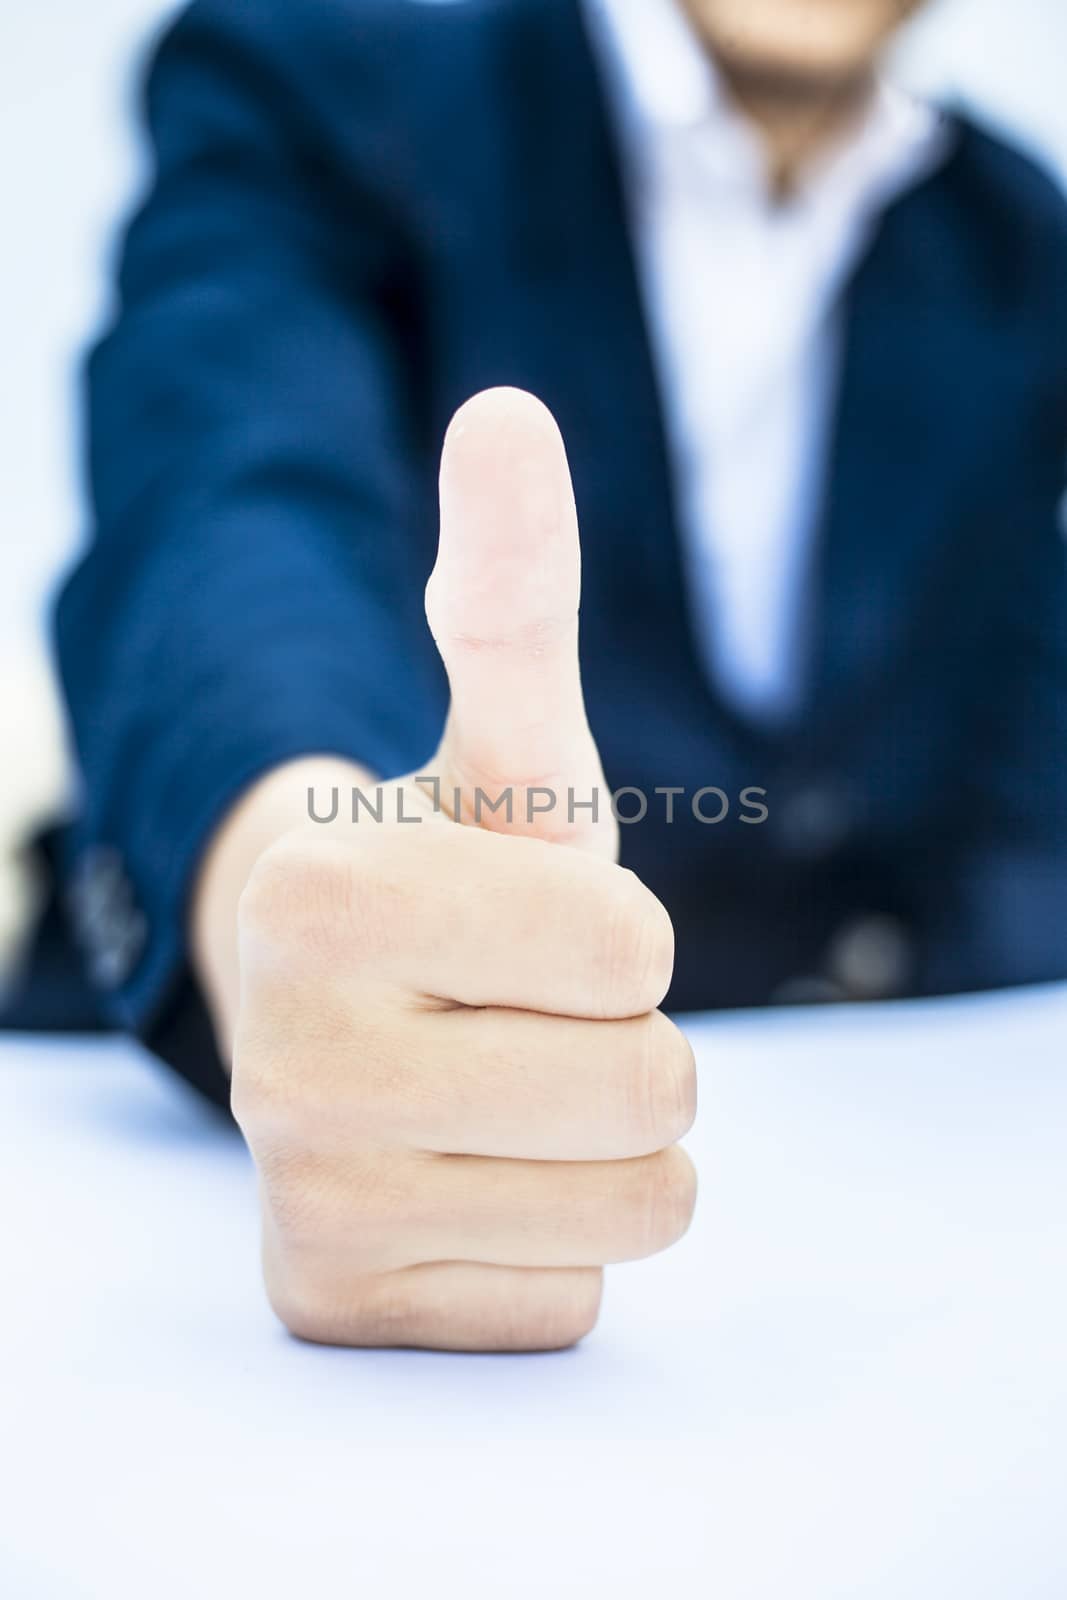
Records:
x=71, y=166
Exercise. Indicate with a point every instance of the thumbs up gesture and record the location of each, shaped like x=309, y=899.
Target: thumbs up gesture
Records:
x=449, y=1063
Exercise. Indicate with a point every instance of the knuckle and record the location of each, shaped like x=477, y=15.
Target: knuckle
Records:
x=254, y=1081
x=249, y=1089
x=381, y=1311
x=315, y=1067
x=299, y=1198
x=304, y=1300
x=358, y=1205
x=318, y=897
x=374, y=1310
x=329, y=1247
x=272, y=899
x=663, y=1200
x=664, y=1093
x=270, y=1092
x=639, y=950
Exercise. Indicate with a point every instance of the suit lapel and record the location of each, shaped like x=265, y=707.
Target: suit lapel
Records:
x=907, y=426
x=577, y=244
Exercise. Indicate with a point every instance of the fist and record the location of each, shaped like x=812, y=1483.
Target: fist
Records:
x=448, y=1059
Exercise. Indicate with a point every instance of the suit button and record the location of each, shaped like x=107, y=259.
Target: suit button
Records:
x=813, y=821
x=108, y=926
x=118, y=952
x=871, y=958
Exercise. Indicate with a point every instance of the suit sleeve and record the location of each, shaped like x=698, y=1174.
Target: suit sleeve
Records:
x=251, y=586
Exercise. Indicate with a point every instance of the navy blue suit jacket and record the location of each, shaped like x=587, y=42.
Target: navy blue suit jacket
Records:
x=362, y=212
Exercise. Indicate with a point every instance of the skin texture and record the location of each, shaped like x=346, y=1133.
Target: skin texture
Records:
x=800, y=70
x=448, y=1058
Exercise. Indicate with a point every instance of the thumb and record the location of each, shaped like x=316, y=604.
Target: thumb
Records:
x=502, y=604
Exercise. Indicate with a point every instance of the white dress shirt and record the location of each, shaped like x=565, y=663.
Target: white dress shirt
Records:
x=743, y=295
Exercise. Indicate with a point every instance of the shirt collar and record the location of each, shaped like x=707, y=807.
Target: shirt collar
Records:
x=668, y=81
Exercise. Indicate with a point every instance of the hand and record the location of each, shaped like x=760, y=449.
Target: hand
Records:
x=448, y=1062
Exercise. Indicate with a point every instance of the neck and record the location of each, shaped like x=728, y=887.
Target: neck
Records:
x=796, y=120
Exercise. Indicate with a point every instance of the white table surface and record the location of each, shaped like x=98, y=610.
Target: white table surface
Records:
x=849, y=1380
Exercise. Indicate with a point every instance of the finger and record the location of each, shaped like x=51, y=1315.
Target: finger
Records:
x=346, y=1215
x=485, y=1081
x=445, y=1305
x=516, y=1084
x=455, y=914
x=502, y=604
x=551, y=1213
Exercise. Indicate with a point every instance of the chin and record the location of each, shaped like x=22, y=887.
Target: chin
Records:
x=802, y=41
